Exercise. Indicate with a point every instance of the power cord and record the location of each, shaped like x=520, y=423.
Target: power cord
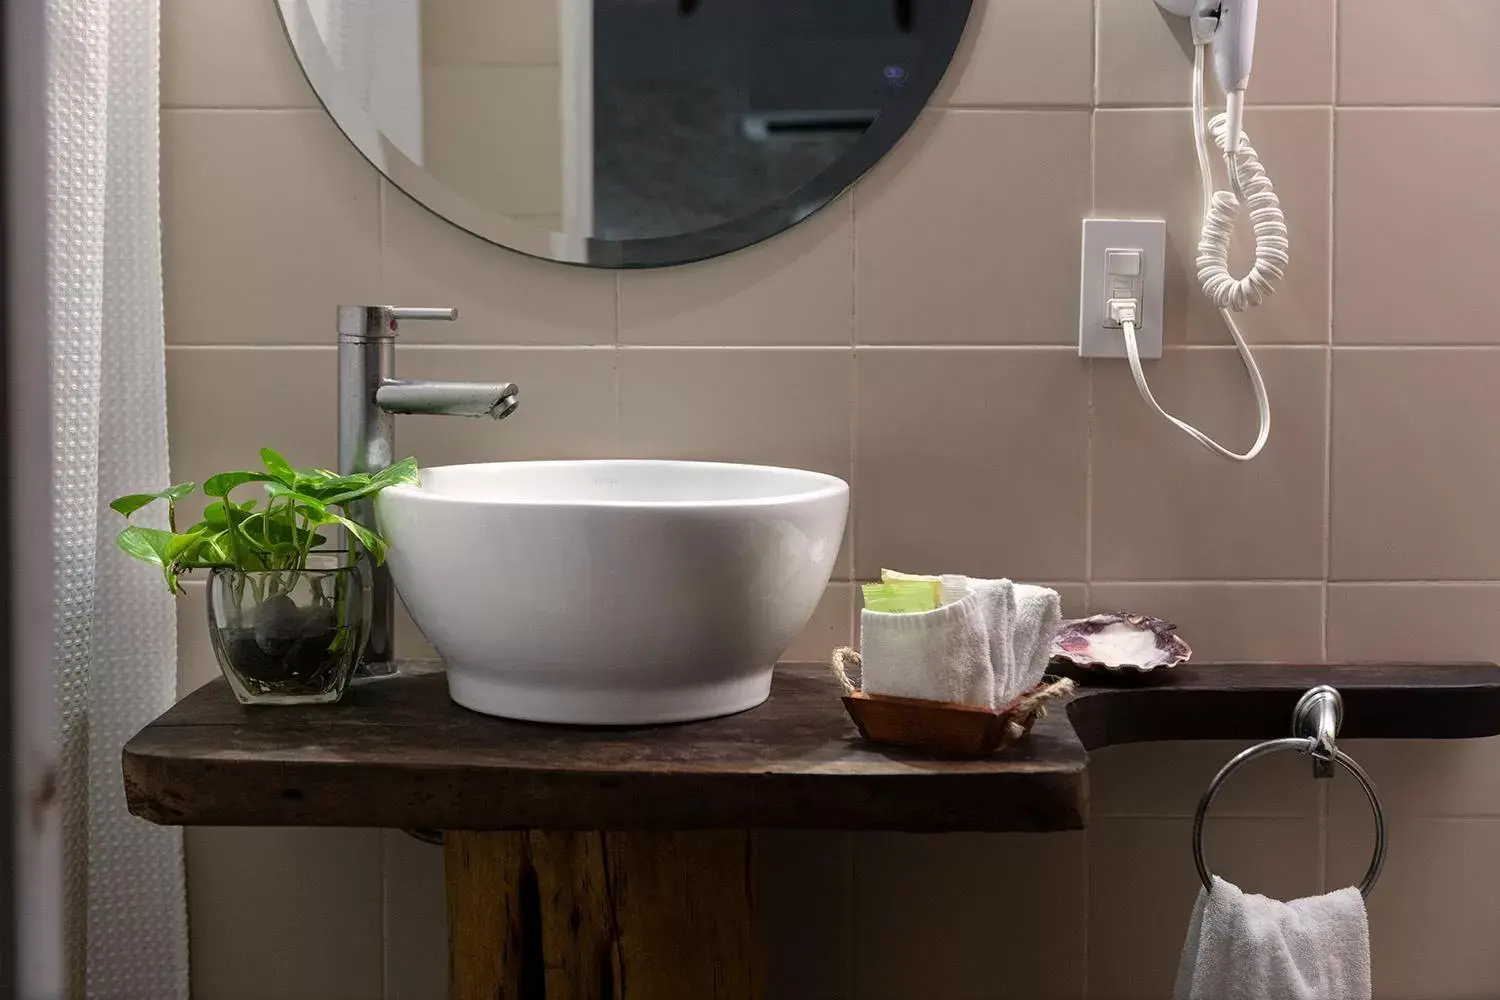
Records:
x=1125, y=312
x=1221, y=209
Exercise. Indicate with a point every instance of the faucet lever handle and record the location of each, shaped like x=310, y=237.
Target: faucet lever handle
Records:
x=358, y=324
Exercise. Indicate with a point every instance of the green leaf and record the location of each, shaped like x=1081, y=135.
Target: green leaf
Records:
x=326, y=489
x=132, y=502
x=215, y=514
x=398, y=474
x=212, y=549
x=404, y=471
x=275, y=490
x=149, y=545
x=372, y=542
x=306, y=478
x=158, y=548
x=280, y=469
x=220, y=485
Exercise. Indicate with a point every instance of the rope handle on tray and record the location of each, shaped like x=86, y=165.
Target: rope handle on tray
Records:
x=844, y=658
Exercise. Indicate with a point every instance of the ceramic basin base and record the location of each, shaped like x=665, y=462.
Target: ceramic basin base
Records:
x=516, y=698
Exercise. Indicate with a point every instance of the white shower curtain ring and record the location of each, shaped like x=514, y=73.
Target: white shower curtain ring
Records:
x=1302, y=745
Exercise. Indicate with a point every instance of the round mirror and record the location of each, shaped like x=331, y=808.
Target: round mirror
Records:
x=624, y=133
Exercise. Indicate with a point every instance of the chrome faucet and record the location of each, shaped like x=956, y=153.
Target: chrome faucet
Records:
x=369, y=397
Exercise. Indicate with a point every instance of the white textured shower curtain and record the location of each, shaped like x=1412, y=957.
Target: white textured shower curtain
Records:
x=116, y=633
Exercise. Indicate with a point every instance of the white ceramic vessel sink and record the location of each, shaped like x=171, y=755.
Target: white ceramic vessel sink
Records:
x=612, y=592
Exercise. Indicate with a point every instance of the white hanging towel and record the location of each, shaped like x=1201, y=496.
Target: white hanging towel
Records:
x=1241, y=946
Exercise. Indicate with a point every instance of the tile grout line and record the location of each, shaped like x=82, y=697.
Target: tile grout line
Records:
x=1332, y=274
x=1088, y=501
x=617, y=358
x=813, y=348
x=1331, y=218
x=853, y=525
x=1090, y=369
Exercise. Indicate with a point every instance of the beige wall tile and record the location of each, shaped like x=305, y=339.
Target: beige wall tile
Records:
x=1142, y=885
x=196, y=663
x=411, y=644
x=804, y=913
x=1167, y=508
x=1415, y=246
x=270, y=220
x=765, y=407
x=1395, y=622
x=502, y=297
x=796, y=288
x=1229, y=623
x=1074, y=597
x=1147, y=169
x=1431, y=623
x=1146, y=56
x=1436, y=52
x=1167, y=779
x=1432, y=915
x=287, y=913
x=487, y=33
x=1412, y=498
x=831, y=626
x=493, y=134
x=1023, y=52
x=971, y=462
x=228, y=54
x=416, y=919
x=1424, y=778
x=945, y=251
x=935, y=916
x=567, y=406
x=223, y=406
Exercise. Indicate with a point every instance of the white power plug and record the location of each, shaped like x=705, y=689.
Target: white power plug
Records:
x=1123, y=261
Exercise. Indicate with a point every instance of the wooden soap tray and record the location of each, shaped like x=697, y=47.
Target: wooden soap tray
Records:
x=943, y=726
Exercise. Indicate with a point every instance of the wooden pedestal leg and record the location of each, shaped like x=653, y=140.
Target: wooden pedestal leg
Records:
x=601, y=916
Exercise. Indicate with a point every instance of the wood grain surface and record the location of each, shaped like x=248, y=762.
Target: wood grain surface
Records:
x=399, y=753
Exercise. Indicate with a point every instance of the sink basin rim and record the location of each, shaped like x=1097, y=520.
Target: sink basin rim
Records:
x=820, y=485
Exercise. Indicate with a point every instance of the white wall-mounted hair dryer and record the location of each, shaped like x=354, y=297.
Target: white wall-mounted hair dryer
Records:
x=1234, y=52
x=1228, y=26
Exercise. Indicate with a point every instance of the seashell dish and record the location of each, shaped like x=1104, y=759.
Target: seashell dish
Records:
x=1120, y=642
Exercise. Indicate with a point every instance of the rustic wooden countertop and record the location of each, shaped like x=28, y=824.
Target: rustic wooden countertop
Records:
x=398, y=753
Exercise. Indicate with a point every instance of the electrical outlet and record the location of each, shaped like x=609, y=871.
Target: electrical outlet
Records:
x=1122, y=258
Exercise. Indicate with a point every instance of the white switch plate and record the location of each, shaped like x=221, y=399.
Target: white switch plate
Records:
x=1097, y=338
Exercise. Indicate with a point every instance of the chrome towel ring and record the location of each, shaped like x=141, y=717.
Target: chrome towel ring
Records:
x=1316, y=722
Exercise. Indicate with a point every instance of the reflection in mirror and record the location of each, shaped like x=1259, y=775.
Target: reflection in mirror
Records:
x=624, y=133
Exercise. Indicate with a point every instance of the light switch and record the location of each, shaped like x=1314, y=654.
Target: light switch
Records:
x=1126, y=263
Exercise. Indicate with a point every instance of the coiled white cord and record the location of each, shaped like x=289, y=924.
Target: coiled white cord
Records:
x=1221, y=209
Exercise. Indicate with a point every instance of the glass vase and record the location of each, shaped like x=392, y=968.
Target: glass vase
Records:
x=289, y=637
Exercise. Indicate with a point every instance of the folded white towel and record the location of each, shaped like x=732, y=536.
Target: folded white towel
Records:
x=1038, y=614
x=987, y=644
x=941, y=655
x=1246, y=947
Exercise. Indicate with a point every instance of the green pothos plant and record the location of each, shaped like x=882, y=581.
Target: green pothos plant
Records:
x=276, y=533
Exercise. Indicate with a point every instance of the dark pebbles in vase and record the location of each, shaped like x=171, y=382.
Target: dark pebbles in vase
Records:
x=289, y=650
x=298, y=646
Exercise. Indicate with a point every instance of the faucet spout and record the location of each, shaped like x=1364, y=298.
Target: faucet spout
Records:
x=496, y=400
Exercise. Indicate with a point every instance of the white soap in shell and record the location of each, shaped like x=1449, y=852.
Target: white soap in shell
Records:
x=1127, y=642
